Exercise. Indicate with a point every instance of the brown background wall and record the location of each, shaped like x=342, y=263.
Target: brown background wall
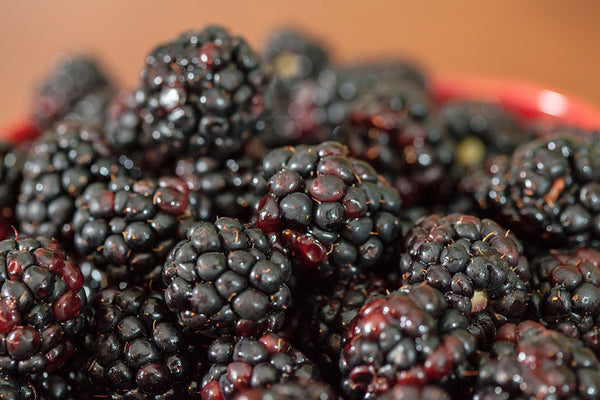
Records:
x=553, y=42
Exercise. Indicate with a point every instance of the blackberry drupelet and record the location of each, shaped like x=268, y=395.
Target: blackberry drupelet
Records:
x=127, y=227
x=567, y=287
x=16, y=388
x=412, y=392
x=313, y=390
x=205, y=92
x=409, y=337
x=548, y=191
x=59, y=167
x=478, y=266
x=11, y=174
x=223, y=188
x=394, y=130
x=530, y=362
x=226, y=279
x=481, y=130
x=139, y=352
x=76, y=85
x=41, y=305
x=334, y=213
x=246, y=363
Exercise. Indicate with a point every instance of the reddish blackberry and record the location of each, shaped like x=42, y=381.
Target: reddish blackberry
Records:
x=481, y=130
x=223, y=188
x=202, y=93
x=409, y=337
x=127, y=228
x=333, y=212
x=411, y=392
x=548, y=191
x=478, y=266
x=528, y=361
x=226, y=279
x=139, y=352
x=41, y=302
x=392, y=129
x=568, y=286
x=11, y=174
x=59, y=167
x=242, y=364
x=76, y=86
x=290, y=391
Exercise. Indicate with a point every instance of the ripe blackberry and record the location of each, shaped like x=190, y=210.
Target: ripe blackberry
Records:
x=568, y=287
x=139, y=352
x=69, y=88
x=334, y=213
x=478, y=266
x=202, y=93
x=547, y=191
x=11, y=174
x=223, y=188
x=59, y=167
x=127, y=228
x=14, y=387
x=313, y=390
x=409, y=337
x=393, y=129
x=531, y=362
x=242, y=364
x=317, y=106
x=412, y=392
x=226, y=279
x=481, y=130
x=41, y=302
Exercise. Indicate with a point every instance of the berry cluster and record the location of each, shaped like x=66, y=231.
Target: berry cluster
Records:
x=276, y=226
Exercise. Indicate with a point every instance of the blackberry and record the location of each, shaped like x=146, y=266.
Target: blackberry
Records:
x=127, y=227
x=409, y=337
x=11, y=174
x=478, y=266
x=530, y=362
x=481, y=130
x=16, y=388
x=568, y=287
x=41, y=303
x=139, y=352
x=202, y=93
x=548, y=191
x=393, y=130
x=246, y=363
x=223, y=188
x=59, y=167
x=334, y=213
x=226, y=279
x=412, y=392
x=69, y=88
x=290, y=391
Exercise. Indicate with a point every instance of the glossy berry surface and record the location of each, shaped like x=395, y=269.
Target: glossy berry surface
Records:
x=227, y=279
x=334, y=213
x=246, y=363
x=41, y=303
x=312, y=390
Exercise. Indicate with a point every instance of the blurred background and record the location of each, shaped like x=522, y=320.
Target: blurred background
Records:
x=552, y=42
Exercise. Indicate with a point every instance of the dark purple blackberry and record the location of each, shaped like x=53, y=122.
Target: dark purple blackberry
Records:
x=481, y=130
x=69, y=89
x=548, y=191
x=202, y=93
x=313, y=390
x=409, y=337
x=243, y=364
x=226, y=279
x=528, y=361
x=334, y=213
x=412, y=392
x=127, y=228
x=59, y=167
x=478, y=266
x=14, y=387
x=139, y=352
x=223, y=188
x=11, y=174
x=41, y=302
x=567, y=285
x=392, y=128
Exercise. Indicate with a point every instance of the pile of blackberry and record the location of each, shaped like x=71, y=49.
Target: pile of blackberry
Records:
x=280, y=226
